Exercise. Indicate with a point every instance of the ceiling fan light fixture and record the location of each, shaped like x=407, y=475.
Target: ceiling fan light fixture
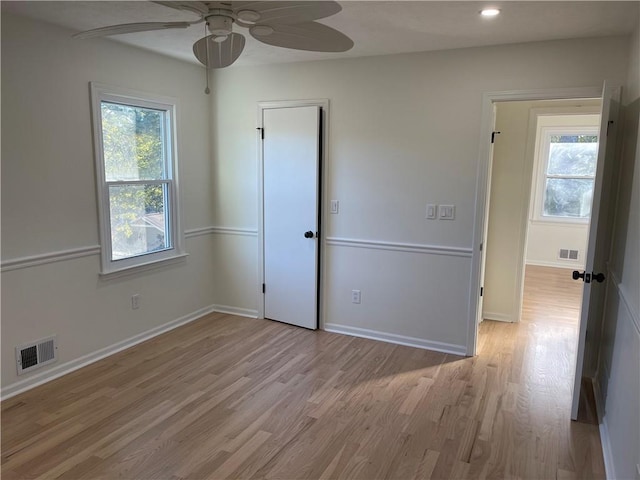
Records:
x=261, y=30
x=220, y=25
x=490, y=12
x=248, y=16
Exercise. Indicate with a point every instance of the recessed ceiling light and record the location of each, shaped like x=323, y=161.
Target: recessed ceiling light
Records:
x=490, y=12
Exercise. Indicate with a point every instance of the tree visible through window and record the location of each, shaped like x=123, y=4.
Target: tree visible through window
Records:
x=132, y=139
x=136, y=180
x=569, y=175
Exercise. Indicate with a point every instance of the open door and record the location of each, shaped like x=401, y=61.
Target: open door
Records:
x=599, y=235
x=485, y=232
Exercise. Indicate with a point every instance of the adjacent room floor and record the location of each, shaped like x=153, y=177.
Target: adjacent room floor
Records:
x=230, y=397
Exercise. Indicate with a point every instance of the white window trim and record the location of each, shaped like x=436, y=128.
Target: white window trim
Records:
x=99, y=93
x=545, y=128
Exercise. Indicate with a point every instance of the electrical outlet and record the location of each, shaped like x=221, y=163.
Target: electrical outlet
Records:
x=355, y=296
x=335, y=206
x=432, y=211
x=135, y=301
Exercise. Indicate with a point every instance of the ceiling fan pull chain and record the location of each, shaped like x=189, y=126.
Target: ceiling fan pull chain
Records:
x=207, y=91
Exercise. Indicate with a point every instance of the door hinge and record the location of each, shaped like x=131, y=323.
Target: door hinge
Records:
x=609, y=123
x=481, y=247
x=261, y=132
x=263, y=288
x=481, y=291
x=493, y=136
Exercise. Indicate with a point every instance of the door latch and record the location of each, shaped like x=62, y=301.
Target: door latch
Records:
x=587, y=277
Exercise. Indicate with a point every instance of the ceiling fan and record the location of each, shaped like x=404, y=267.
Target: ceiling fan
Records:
x=288, y=24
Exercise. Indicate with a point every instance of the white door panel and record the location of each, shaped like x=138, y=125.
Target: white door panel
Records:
x=291, y=155
x=597, y=249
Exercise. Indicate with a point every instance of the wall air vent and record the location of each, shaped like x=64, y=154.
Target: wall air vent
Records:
x=31, y=356
x=567, y=254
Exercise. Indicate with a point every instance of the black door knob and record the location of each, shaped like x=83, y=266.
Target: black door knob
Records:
x=576, y=275
x=598, y=277
x=308, y=234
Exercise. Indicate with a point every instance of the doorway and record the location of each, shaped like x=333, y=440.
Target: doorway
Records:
x=521, y=181
x=553, y=144
x=291, y=153
x=548, y=203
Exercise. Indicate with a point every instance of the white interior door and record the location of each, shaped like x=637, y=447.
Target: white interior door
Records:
x=485, y=231
x=291, y=156
x=599, y=237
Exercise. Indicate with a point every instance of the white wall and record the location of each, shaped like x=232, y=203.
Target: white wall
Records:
x=511, y=184
x=618, y=375
x=544, y=241
x=49, y=198
x=404, y=132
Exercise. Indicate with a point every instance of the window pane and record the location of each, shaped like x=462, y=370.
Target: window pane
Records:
x=573, y=158
x=568, y=197
x=138, y=220
x=132, y=142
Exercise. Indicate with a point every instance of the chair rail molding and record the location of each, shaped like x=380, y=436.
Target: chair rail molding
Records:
x=399, y=247
x=50, y=257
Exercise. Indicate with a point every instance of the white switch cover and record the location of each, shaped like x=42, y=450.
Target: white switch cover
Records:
x=432, y=211
x=335, y=205
x=447, y=212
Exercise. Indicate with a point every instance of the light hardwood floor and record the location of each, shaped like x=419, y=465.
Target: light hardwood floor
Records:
x=230, y=397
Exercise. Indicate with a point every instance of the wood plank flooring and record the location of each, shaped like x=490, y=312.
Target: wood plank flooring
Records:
x=230, y=397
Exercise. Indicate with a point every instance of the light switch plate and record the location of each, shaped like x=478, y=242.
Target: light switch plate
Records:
x=447, y=212
x=432, y=211
x=334, y=207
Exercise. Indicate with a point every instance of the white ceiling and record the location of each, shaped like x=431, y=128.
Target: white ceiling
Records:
x=376, y=27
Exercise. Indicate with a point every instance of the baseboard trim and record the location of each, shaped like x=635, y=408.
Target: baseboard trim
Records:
x=241, y=312
x=607, y=453
x=498, y=317
x=73, y=365
x=543, y=263
x=397, y=339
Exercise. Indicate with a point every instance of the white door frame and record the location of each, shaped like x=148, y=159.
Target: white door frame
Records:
x=323, y=103
x=482, y=187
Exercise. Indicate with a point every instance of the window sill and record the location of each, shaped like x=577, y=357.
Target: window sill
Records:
x=560, y=222
x=143, y=267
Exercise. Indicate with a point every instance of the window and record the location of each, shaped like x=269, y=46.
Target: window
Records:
x=566, y=158
x=569, y=176
x=137, y=185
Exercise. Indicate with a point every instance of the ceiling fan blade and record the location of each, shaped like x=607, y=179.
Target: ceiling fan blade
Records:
x=219, y=54
x=200, y=8
x=311, y=36
x=281, y=13
x=131, y=28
